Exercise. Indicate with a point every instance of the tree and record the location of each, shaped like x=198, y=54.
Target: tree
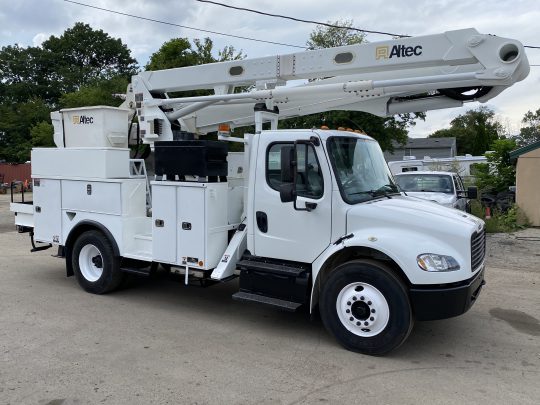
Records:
x=384, y=129
x=474, y=131
x=178, y=52
x=498, y=173
x=99, y=93
x=329, y=37
x=42, y=134
x=16, y=120
x=82, y=56
x=24, y=74
x=529, y=133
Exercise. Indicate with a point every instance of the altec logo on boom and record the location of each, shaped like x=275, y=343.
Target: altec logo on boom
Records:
x=82, y=119
x=398, y=51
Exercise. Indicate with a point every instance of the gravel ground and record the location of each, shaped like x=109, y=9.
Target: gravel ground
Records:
x=156, y=341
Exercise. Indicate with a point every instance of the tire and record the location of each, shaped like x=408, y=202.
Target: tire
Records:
x=95, y=265
x=374, y=315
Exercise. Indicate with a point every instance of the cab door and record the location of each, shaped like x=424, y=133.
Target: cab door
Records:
x=281, y=231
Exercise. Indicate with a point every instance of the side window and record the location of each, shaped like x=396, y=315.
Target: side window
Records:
x=309, y=179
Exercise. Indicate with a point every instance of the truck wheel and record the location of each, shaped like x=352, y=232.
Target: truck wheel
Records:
x=366, y=307
x=96, y=267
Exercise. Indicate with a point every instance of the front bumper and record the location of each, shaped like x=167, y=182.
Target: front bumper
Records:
x=440, y=302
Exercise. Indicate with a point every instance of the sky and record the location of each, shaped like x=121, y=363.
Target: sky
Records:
x=29, y=22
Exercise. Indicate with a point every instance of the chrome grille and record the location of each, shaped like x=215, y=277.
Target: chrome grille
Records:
x=478, y=248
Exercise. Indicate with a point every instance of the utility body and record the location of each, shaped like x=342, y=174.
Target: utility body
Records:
x=307, y=218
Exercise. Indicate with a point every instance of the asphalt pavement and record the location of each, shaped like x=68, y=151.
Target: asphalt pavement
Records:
x=158, y=342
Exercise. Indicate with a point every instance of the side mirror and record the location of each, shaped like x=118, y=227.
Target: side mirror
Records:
x=287, y=192
x=472, y=193
x=287, y=164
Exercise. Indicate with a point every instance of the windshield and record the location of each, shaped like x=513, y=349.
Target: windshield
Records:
x=434, y=183
x=361, y=171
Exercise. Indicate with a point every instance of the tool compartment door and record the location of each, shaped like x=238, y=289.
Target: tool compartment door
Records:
x=47, y=210
x=191, y=225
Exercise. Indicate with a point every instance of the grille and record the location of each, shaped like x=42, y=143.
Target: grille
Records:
x=478, y=248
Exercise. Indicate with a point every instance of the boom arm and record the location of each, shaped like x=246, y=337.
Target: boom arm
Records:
x=383, y=78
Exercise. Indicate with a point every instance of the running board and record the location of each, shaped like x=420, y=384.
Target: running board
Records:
x=270, y=268
x=269, y=301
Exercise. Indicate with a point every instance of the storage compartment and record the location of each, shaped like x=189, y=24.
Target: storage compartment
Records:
x=191, y=158
x=92, y=196
x=163, y=223
x=98, y=163
x=125, y=197
x=47, y=210
x=189, y=222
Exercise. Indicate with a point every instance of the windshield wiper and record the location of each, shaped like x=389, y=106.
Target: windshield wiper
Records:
x=383, y=191
x=380, y=192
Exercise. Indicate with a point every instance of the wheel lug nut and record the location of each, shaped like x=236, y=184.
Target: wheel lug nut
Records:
x=351, y=319
x=372, y=311
x=366, y=323
x=371, y=319
x=348, y=302
x=358, y=323
x=348, y=311
x=362, y=298
x=369, y=302
x=354, y=298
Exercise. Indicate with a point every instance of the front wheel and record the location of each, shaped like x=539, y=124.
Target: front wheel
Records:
x=366, y=307
x=96, y=267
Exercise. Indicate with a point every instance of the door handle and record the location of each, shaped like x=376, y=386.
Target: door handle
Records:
x=262, y=221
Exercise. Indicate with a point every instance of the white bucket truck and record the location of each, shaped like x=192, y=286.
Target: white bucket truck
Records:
x=309, y=218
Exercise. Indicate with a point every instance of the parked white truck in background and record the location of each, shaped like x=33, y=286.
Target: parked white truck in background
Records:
x=445, y=188
x=462, y=165
x=313, y=218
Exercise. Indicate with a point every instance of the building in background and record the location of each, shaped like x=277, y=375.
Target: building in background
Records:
x=527, y=181
x=422, y=147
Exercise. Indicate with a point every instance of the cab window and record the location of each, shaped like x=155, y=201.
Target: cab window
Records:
x=309, y=179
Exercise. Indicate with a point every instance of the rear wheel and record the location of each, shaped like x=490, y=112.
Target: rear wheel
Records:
x=96, y=267
x=366, y=307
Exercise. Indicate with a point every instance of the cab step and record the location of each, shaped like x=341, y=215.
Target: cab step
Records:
x=289, y=306
x=265, y=267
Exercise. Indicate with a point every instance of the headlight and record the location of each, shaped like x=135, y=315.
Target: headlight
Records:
x=434, y=262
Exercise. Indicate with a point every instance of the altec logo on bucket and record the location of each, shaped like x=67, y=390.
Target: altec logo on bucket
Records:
x=82, y=119
x=397, y=51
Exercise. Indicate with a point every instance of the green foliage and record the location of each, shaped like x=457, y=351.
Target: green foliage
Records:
x=510, y=221
x=530, y=132
x=100, y=93
x=24, y=74
x=82, y=56
x=178, y=52
x=474, y=131
x=329, y=37
x=498, y=173
x=16, y=120
x=42, y=134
